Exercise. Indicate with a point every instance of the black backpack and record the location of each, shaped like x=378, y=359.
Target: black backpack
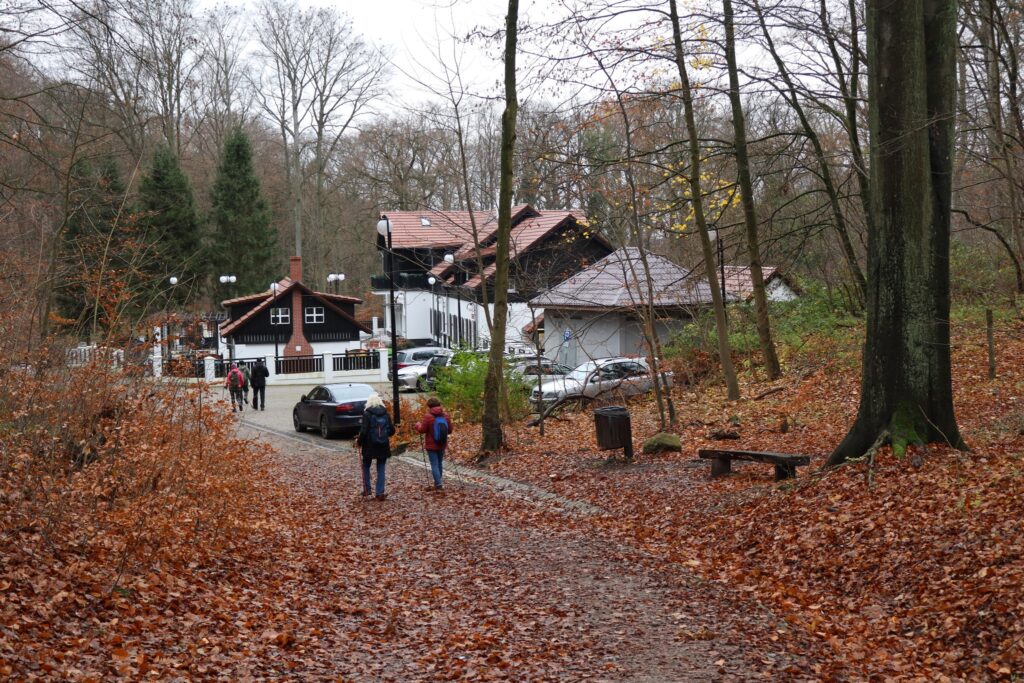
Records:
x=378, y=431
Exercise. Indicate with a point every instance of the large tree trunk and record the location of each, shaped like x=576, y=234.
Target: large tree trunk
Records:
x=697, y=200
x=906, y=385
x=493, y=437
x=739, y=126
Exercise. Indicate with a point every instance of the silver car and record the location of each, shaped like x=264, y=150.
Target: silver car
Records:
x=621, y=376
x=415, y=376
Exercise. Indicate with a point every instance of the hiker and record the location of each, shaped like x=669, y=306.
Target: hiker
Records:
x=375, y=441
x=260, y=373
x=435, y=428
x=234, y=382
x=245, y=387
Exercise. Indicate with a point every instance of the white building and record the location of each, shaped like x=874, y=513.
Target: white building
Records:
x=445, y=265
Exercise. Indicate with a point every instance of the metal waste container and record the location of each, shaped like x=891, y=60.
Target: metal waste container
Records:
x=614, y=429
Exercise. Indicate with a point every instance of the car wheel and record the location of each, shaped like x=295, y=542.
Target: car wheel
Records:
x=324, y=429
x=299, y=427
x=421, y=384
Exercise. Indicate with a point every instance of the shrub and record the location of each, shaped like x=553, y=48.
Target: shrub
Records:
x=460, y=386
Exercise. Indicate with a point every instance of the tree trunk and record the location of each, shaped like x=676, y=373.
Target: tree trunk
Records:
x=739, y=126
x=906, y=384
x=697, y=199
x=493, y=437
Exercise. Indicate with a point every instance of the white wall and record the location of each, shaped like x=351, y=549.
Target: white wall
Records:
x=264, y=350
x=599, y=335
x=778, y=290
x=591, y=335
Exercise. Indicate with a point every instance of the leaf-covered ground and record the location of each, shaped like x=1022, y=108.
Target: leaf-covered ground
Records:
x=170, y=548
x=909, y=568
x=325, y=585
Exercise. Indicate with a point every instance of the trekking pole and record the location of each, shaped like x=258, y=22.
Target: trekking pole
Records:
x=426, y=465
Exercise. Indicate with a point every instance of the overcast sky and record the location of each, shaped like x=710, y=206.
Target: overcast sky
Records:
x=412, y=30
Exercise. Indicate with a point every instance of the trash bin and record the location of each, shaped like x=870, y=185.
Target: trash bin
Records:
x=614, y=429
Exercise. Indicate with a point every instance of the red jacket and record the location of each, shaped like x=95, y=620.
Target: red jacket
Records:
x=426, y=427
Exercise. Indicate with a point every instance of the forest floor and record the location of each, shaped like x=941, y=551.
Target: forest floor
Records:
x=553, y=562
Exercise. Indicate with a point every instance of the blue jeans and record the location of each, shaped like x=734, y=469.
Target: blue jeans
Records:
x=436, y=465
x=381, y=462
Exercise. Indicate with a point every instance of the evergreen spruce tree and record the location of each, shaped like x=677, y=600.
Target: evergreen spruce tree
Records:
x=171, y=226
x=244, y=243
x=92, y=251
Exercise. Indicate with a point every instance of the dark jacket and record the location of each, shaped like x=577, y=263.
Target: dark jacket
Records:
x=426, y=427
x=260, y=373
x=373, y=450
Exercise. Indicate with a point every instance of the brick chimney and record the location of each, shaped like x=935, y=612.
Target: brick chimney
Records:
x=297, y=344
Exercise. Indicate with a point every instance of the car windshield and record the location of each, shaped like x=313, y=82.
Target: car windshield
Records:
x=581, y=373
x=354, y=392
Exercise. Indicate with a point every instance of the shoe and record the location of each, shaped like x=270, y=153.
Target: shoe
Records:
x=438, y=487
x=381, y=496
x=365, y=493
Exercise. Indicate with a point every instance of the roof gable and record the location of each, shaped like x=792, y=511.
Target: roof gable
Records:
x=285, y=286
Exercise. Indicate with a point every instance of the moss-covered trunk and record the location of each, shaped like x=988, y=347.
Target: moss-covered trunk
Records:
x=906, y=383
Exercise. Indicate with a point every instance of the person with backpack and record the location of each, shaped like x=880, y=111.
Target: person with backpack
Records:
x=245, y=387
x=435, y=428
x=260, y=373
x=235, y=381
x=375, y=441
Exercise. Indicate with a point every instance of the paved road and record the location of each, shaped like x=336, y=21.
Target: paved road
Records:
x=480, y=585
x=282, y=399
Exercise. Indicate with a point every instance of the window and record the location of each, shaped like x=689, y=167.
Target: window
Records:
x=424, y=221
x=280, y=316
x=314, y=315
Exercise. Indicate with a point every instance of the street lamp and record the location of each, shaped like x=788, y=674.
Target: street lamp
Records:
x=450, y=259
x=433, y=305
x=384, y=230
x=273, y=290
x=229, y=280
x=334, y=281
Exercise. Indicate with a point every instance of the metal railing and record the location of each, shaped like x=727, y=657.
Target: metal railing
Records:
x=356, y=361
x=297, y=364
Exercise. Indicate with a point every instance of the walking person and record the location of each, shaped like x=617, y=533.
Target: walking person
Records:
x=235, y=381
x=435, y=428
x=375, y=441
x=258, y=380
x=245, y=387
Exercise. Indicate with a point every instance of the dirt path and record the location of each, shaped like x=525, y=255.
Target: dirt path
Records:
x=483, y=585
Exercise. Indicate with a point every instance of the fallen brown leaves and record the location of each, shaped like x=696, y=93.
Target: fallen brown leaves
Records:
x=918, y=575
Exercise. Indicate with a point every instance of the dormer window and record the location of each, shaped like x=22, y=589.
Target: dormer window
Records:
x=424, y=221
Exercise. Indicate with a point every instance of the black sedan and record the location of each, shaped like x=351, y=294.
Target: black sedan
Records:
x=332, y=408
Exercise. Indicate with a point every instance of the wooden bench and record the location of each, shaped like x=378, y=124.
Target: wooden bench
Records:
x=785, y=465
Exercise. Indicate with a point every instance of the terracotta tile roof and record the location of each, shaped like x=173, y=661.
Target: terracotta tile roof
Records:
x=429, y=229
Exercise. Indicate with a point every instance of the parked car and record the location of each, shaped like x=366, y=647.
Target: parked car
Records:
x=415, y=376
x=623, y=376
x=529, y=369
x=332, y=408
x=418, y=355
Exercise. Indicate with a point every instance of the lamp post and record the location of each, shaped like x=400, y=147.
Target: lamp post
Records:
x=384, y=230
x=227, y=281
x=167, y=325
x=433, y=305
x=334, y=281
x=273, y=289
x=450, y=260
x=716, y=237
